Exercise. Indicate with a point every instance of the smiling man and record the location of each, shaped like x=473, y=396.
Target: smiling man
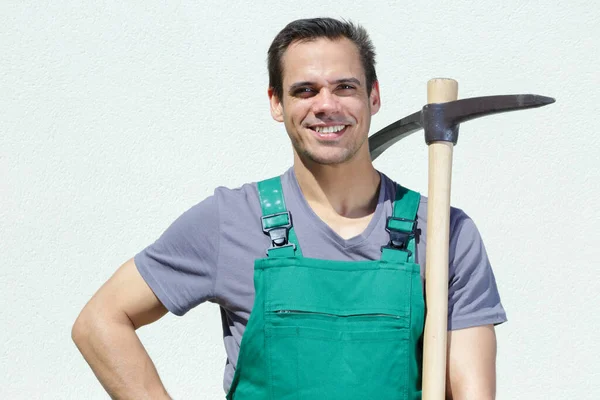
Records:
x=318, y=272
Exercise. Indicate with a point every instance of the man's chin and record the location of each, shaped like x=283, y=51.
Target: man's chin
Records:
x=330, y=157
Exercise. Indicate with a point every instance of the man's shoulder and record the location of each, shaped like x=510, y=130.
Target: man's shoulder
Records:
x=242, y=199
x=457, y=215
x=390, y=186
x=245, y=193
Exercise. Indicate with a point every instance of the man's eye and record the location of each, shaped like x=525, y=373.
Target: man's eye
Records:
x=303, y=92
x=345, y=89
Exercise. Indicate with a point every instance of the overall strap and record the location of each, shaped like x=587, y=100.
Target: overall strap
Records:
x=276, y=220
x=402, y=227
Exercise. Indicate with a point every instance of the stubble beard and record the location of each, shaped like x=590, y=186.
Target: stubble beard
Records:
x=335, y=157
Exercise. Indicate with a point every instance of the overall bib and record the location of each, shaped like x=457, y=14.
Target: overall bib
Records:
x=335, y=330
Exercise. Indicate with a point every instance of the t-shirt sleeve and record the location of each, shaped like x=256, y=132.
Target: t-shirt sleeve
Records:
x=473, y=298
x=181, y=266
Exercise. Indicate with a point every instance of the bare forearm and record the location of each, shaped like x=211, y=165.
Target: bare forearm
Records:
x=118, y=358
x=472, y=364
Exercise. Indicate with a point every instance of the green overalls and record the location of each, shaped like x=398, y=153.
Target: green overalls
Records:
x=333, y=330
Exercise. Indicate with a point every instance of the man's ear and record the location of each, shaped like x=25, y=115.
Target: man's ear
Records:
x=375, y=98
x=276, y=106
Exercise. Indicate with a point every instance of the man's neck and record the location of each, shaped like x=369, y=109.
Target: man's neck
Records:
x=350, y=190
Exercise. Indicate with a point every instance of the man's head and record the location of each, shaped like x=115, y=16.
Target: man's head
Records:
x=323, y=87
x=305, y=30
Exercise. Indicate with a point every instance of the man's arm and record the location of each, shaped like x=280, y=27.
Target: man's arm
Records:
x=471, y=364
x=105, y=334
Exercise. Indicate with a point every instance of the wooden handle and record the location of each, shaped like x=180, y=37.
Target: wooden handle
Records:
x=438, y=239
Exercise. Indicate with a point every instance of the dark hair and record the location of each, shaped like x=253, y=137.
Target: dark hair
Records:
x=315, y=28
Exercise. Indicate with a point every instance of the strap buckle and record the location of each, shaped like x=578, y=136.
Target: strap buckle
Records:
x=278, y=226
x=401, y=230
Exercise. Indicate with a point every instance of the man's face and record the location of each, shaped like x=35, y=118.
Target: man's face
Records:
x=325, y=106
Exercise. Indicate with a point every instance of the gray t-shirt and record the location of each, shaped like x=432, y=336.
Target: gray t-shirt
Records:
x=208, y=254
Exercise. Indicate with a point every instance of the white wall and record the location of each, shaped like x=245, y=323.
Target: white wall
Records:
x=115, y=118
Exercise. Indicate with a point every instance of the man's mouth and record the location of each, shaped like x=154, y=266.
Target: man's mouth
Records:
x=329, y=132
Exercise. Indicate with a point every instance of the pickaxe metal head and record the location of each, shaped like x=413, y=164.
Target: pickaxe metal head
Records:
x=441, y=120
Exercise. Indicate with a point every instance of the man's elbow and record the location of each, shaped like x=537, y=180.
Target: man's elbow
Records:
x=93, y=321
x=82, y=327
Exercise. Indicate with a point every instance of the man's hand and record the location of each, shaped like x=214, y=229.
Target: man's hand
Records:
x=471, y=373
x=105, y=334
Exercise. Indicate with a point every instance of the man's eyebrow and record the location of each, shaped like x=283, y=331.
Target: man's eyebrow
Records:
x=298, y=85
x=348, y=80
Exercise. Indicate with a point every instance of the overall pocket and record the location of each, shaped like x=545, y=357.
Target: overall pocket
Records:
x=315, y=355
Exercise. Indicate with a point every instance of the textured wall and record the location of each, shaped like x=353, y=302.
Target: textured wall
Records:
x=115, y=118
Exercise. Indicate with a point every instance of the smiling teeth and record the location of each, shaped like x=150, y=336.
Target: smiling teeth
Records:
x=329, y=129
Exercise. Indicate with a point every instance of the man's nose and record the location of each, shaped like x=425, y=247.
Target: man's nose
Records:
x=325, y=102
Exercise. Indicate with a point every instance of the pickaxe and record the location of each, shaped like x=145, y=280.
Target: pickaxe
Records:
x=440, y=119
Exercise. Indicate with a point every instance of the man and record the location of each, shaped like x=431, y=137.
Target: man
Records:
x=336, y=300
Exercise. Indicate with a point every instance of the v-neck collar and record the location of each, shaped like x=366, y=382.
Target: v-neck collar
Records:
x=318, y=223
